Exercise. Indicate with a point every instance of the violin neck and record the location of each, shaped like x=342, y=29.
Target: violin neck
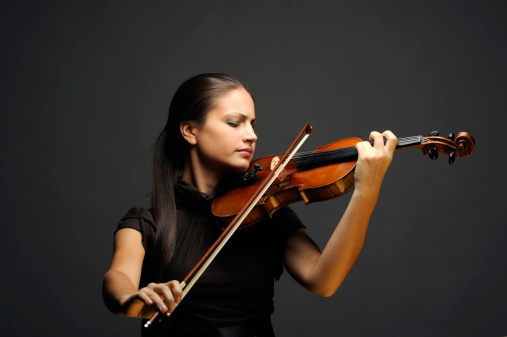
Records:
x=317, y=159
x=409, y=142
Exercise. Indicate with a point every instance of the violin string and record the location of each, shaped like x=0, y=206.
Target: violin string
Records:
x=401, y=142
x=346, y=151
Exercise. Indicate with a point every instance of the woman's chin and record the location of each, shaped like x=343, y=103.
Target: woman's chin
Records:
x=240, y=169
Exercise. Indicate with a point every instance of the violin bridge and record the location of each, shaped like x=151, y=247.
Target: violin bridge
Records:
x=274, y=161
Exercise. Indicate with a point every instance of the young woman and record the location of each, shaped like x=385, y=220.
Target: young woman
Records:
x=209, y=136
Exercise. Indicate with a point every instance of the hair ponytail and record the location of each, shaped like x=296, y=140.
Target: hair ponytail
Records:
x=163, y=203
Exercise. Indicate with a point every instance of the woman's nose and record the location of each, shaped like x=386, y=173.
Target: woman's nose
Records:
x=250, y=136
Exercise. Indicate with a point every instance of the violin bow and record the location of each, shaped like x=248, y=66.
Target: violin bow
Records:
x=196, y=272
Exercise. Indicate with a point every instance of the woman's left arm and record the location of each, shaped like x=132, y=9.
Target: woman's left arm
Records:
x=323, y=272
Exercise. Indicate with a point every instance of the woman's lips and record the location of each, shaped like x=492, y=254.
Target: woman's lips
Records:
x=247, y=152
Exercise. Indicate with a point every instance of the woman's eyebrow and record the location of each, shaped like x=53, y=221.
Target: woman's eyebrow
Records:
x=243, y=116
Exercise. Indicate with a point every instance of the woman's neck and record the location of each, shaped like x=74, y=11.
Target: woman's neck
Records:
x=203, y=179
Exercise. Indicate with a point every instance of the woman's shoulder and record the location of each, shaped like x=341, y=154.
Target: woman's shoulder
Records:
x=138, y=218
x=139, y=213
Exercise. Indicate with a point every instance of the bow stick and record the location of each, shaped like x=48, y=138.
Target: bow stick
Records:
x=213, y=251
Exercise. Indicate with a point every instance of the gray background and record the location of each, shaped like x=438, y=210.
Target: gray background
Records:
x=85, y=90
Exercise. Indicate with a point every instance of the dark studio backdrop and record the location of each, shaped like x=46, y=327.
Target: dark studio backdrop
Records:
x=85, y=91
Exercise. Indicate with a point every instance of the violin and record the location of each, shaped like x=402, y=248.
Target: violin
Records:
x=324, y=174
x=272, y=182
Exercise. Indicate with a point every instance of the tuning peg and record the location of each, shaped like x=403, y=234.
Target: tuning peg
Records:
x=433, y=153
x=452, y=157
x=434, y=133
x=452, y=136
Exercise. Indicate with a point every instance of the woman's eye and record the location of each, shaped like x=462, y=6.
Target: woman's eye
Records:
x=233, y=124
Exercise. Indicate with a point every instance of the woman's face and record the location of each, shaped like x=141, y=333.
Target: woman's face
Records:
x=226, y=141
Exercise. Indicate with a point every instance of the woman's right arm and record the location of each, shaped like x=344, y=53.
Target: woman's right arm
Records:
x=121, y=291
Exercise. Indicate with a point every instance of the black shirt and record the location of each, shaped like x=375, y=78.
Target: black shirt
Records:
x=238, y=285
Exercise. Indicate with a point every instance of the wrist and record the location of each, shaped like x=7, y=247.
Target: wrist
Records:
x=366, y=195
x=124, y=303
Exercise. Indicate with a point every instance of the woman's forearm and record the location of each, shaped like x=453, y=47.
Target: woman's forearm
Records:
x=344, y=245
x=116, y=289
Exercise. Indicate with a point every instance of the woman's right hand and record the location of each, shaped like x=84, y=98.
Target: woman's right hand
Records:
x=121, y=282
x=161, y=297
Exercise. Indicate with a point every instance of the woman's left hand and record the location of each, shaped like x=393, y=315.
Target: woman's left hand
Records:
x=373, y=161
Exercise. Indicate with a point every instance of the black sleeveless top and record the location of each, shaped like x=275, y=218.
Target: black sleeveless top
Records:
x=238, y=285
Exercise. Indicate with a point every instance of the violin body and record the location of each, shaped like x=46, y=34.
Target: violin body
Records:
x=292, y=185
x=327, y=173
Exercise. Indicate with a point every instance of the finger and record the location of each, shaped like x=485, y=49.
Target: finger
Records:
x=389, y=135
x=154, y=292
x=363, y=147
x=176, y=290
x=377, y=138
x=145, y=298
x=168, y=297
x=374, y=135
x=391, y=140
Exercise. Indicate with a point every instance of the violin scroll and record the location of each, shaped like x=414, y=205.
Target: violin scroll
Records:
x=455, y=146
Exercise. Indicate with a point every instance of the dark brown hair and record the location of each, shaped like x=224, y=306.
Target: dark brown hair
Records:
x=191, y=103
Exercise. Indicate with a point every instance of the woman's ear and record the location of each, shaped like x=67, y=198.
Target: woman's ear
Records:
x=187, y=130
